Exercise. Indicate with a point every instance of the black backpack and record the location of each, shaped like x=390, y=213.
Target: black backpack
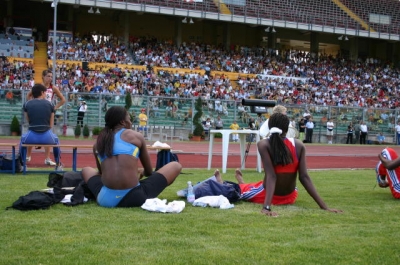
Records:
x=71, y=179
x=164, y=157
x=6, y=162
x=67, y=179
x=36, y=200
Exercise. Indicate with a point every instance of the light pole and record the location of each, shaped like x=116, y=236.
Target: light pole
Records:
x=54, y=5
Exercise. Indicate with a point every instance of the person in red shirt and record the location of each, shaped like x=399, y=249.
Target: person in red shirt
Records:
x=10, y=97
x=388, y=171
x=283, y=159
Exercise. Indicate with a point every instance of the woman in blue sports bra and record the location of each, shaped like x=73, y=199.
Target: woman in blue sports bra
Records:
x=117, y=181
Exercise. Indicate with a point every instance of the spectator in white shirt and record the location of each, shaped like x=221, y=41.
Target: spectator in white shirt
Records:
x=309, y=130
x=329, y=130
x=81, y=113
x=397, y=128
x=364, y=132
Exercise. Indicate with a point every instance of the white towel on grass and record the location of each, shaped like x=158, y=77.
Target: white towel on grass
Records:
x=157, y=205
x=213, y=201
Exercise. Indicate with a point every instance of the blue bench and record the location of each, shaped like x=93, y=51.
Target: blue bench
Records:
x=74, y=155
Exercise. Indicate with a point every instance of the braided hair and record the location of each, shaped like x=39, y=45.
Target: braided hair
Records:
x=105, y=141
x=280, y=152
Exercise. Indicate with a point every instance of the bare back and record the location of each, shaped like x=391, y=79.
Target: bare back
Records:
x=121, y=171
x=285, y=182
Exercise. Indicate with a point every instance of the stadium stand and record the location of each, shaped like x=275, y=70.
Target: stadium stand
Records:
x=320, y=12
x=16, y=46
x=388, y=8
x=206, y=5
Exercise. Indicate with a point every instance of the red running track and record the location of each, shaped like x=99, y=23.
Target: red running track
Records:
x=195, y=155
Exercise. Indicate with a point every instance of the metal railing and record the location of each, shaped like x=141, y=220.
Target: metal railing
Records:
x=173, y=123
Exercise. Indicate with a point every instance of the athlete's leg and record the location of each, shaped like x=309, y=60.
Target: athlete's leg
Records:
x=88, y=172
x=47, y=152
x=217, y=176
x=170, y=171
x=239, y=176
x=29, y=151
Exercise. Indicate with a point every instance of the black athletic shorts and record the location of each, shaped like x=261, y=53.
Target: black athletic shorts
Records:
x=149, y=188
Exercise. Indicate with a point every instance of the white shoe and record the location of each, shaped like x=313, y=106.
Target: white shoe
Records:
x=28, y=159
x=48, y=161
x=60, y=167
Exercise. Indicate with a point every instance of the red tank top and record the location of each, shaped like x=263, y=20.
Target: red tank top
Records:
x=292, y=167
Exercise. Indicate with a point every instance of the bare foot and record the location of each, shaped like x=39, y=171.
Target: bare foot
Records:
x=217, y=176
x=238, y=176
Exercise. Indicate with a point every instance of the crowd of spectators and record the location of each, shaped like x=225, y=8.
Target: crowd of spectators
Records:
x=288, y=77
x=91, y=48
x=16, y=75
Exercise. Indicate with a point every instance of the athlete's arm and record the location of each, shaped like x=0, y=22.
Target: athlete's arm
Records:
x=29, y=95
x=269, y=177
x=52, y=120
x=389, y=164
x=26, y=117
x=305, y=179
x=60, y=96
x=144, y=157
x=96, y=158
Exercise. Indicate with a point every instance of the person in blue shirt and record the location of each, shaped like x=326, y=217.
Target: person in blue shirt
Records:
x=39, y=113
x=380, y=138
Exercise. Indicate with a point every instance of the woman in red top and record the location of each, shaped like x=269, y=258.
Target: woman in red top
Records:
x=282, y=160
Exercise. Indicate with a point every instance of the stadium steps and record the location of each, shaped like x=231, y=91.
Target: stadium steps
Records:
x=234, y=84
x=40, y=61
x=222, y=7
x=353, y=15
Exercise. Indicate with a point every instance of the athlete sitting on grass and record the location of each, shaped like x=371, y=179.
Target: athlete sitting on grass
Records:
x=283, y=158
x=388, y=171
x=118, y=151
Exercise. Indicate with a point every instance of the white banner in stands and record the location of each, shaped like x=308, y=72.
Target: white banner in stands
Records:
x=282, y=77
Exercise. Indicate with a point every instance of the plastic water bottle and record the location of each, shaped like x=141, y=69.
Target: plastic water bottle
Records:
x=190, y=194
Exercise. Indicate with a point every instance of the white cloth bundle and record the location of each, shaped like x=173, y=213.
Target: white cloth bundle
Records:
x=157, y=205
x=213, y=201
x=160, y=145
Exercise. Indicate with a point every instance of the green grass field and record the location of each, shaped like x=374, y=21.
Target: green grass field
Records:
x=367, y=232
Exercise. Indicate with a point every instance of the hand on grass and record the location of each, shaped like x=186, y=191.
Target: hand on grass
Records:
x=334, y=210
x=269, y=213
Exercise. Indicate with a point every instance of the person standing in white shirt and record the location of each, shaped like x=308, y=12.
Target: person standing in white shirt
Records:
x=397, y=128
x=329, y=130
x=81, y=113
x=364, y=132
x=309, y=130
